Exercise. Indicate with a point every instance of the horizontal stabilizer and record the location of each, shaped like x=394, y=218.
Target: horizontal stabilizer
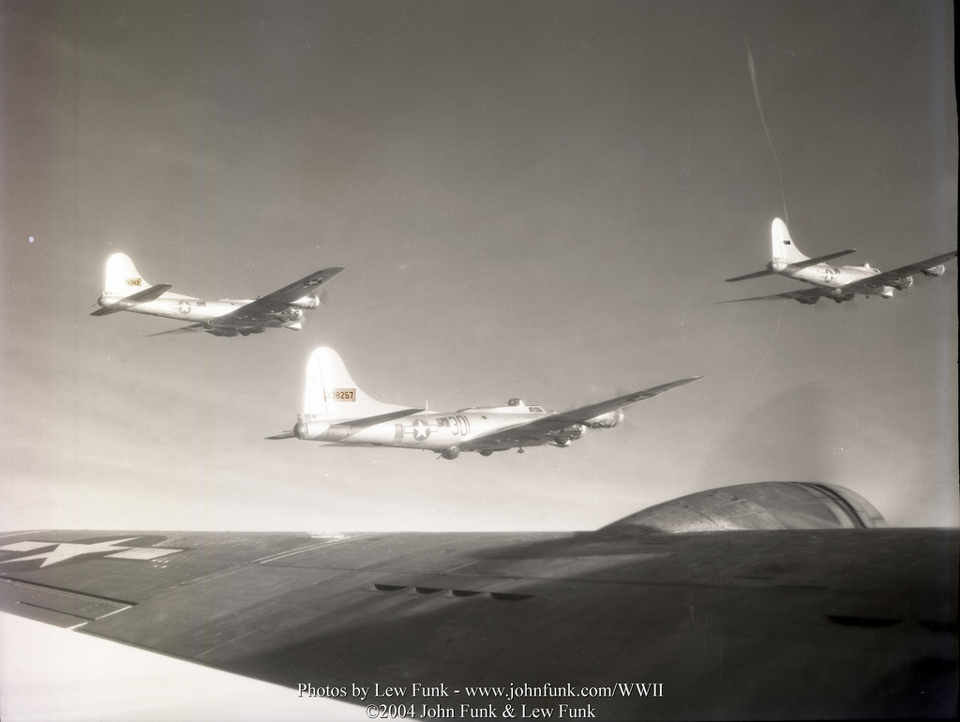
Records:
x=125, y=304
x=284, y=435
x=758, y=274
x=821, y=259
x=368, y=421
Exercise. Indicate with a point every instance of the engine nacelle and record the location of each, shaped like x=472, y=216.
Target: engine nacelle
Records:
x=309, y=301
x=290, y=314
x=934, y=272
x=452, y=453
x=606, y=421
x=902, y=284
x=808, y=301
x=227, y=331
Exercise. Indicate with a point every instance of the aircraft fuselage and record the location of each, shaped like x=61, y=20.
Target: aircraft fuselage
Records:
x=428, y=430
x=197, y=310
x=825, y=275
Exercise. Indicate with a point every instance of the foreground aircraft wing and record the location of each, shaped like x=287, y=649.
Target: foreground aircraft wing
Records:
x=627, y=622
x=889, y=277
x=807, y=295
x=264, y=308
x=128, y=302
x=545, y=429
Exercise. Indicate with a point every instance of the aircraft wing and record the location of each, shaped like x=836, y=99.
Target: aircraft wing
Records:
x=788, y=623
x=888, y=277
x=545, y=429
x=192, y=328
x=264, y=308
x=807, y=295
x=135, y=299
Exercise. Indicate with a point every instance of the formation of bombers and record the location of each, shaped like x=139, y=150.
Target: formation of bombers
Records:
x=763, y=595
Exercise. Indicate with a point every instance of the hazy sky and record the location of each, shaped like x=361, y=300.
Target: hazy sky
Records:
x=535, y=199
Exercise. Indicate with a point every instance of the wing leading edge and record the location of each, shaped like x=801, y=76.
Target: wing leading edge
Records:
x=543, y=430
x=266, y=307
x=897, y=274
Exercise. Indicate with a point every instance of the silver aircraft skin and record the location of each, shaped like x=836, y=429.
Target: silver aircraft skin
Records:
x=336, y=411
x=125, y=289
x=838, y=283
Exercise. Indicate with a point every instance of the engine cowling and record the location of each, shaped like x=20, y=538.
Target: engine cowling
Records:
x=227, y=331
x=902, y=284
x=606, y=421
x=934, y=272
x=309, y=301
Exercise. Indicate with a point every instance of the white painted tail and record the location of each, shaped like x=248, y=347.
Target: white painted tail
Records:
x=781, y=245
x=332, y=394
x=122, y=277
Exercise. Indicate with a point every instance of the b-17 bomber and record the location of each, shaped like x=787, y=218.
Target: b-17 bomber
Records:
x=838, y=283
x=337, y=411
x=126, y=290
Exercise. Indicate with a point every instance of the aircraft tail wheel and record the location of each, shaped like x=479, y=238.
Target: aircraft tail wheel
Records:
x=519, y=451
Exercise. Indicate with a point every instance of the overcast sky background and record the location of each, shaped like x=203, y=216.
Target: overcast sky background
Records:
x=535, y=199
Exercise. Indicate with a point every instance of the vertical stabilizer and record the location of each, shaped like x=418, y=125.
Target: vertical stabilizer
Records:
x=332, y=394
x=122, y=277
x=782, y=248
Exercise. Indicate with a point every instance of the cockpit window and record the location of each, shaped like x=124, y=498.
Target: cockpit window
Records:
x=536, y=409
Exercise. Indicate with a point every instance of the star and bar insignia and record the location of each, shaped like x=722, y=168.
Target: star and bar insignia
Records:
x=59, y=552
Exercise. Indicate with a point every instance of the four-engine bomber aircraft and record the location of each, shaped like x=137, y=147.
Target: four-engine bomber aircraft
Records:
x=336, y=411
x=126, y=290
x=839, y=283
x=777, y=600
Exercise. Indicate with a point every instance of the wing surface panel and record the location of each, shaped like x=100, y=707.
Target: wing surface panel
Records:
x=757, y=623
x=887, y=277
x=263, y=308
x=807, y=295
x=543, y=430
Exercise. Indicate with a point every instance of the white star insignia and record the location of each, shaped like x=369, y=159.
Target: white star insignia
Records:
x=421, y=430
x=62, y=551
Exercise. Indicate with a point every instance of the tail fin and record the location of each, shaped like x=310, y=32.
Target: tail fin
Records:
x=781, y=245
x=122, y=277
x=331, y=393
